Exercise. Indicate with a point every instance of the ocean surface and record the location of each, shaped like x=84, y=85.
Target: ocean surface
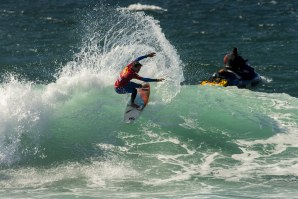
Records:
x=62, y=133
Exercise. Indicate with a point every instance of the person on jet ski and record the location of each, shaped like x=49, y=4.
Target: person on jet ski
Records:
x=234, y=62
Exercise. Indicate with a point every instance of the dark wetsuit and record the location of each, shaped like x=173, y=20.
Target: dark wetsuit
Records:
x=238, y=65
x=234, y=62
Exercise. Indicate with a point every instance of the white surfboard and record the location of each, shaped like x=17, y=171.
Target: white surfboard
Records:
x=142, y=98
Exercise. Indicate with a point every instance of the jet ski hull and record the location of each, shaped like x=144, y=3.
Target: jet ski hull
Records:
x=229, y=78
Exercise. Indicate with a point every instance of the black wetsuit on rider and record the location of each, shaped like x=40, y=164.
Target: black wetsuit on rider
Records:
x=237, y=64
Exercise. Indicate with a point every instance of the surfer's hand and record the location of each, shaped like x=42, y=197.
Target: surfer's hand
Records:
x=160, y=80
x=151, y=54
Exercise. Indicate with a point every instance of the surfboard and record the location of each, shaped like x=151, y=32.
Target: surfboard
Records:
x=142, y=98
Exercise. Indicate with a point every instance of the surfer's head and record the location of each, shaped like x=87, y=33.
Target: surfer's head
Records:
x=136, y=67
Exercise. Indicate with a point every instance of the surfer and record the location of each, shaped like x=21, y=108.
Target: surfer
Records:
x=124, y=85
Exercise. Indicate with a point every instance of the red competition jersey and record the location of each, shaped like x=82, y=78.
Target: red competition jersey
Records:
x=126, y=75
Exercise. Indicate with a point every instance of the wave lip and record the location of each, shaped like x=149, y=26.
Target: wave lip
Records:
x=141, y=7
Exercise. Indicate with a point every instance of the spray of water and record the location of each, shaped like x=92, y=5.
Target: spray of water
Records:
x=115, y=37
x=111, y=38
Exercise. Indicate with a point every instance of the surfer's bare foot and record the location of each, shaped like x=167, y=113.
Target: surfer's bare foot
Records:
x=134, y=105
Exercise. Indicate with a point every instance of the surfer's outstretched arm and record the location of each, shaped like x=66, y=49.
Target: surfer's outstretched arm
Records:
x=145, y=79
x=144, y=56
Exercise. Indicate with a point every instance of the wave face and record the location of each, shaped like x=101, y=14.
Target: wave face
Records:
x=207, y=140
x=67, y=138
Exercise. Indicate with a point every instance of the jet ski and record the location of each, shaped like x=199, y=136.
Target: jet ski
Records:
x=227, y=77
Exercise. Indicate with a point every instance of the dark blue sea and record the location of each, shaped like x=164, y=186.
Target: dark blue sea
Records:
x=62, y=133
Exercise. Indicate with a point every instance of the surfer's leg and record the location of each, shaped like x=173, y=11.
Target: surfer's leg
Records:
x=132, y=88
x=129, y=88
x=133, y=97
x=120, y=90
